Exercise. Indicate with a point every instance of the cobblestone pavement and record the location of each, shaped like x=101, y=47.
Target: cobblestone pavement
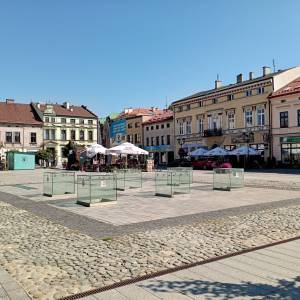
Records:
x=51, y=261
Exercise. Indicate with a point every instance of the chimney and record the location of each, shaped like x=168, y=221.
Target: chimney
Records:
x=66, y=105
x=10, y=101
x=266, y=71
x=38, y=105
x=239, y=78
x=218, y=84
x=251, y=75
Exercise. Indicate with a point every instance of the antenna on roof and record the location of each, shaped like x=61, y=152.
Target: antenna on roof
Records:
x=217, y=76
x=166, y=102
x=274, y=68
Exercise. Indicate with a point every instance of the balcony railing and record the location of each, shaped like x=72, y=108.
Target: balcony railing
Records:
x=247, y=129
x=213, y=132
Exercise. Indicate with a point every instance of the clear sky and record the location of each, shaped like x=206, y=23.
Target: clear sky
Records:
x=111, y=54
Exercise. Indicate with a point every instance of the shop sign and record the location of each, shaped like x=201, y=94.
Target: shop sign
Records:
x=290, y=139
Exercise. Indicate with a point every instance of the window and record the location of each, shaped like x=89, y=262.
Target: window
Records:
x=63, y=135
x=147, y=128
x=168, y=125
x=81, y=135
x=129, y=138
x=152, y=141
x=284, y=119
x=90, y=135
x=47, y=119
x=181, y=128
x=188, y=127
x=73, y=135
x=33, y=137
x=47, y=134
x=17, y=137
x=152, y=127
x=248, y=93
x=200, y=103
x=72, y=121
x=135, y=138
x=214, y=100
x=298, y=116
x=8, y=137
x=90, y=122
x=63, y=120
x=290, y=153
x=162, y=126
x=157, y=126
x=260, y=116
x=260, y=90
x=162, y=140
x=81, y=121
x=137, y=125
x=168, y=139
x=248, y=118
x=188, y=107
x=53, y=120
x=157, y=141
x=230, y=97
x=129, y=125
x=200, y=125
x=52, y=134
x=231, y=120
x=147, y=141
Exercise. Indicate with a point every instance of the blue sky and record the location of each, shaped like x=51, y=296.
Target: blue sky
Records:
x=119, y=53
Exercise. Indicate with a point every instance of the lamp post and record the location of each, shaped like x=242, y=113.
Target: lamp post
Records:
x=181, y=142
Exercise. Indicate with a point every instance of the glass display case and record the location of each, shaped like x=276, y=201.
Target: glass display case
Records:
x=58, y=183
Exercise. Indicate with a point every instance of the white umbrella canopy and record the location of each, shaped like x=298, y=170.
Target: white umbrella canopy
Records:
x=199, y=152
x=94, y=149
x=218, y=151
x=126, y=148
x=244, y=150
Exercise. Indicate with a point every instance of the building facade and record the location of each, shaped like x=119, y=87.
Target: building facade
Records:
x=285, y=106
x=159, y=137
x=64, y=123
x=20, y=127
x=230, y=116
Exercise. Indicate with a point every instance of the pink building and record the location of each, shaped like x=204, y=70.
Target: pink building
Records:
x=285, y=107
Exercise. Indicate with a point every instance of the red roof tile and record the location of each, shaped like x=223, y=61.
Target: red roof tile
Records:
x=291, y=88
x=73, y=111
x=165, y=115
x=18, y=113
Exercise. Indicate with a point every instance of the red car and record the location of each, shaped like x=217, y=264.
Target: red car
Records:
x=210, y=164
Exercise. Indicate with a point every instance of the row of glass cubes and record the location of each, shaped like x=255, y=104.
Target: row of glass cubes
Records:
x=91, y=188
x=226, y=179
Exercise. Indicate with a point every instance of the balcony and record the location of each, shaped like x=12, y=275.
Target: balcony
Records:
x=213, y=132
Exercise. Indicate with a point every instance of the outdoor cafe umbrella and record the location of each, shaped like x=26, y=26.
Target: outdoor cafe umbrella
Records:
x=244, y=150
x=94, y=149
x=127, y=148
x=199, y=152
x=218, y=151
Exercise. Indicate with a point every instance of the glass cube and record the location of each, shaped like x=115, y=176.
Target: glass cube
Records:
x=58, y=183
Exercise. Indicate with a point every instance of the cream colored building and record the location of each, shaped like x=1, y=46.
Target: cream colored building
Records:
x=20, y=127
x=285, y=106
x=230, y=116
x=159, y=137
x=64, y=123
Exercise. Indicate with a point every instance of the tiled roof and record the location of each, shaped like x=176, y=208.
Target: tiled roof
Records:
x=18, y=113
x=140, y=112
x=291, y=88
x=73, y=111
x=166, y=115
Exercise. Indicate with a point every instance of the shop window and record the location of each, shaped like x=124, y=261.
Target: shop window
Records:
x=284, y=119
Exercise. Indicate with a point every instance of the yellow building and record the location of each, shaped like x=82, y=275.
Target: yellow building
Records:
x=232, y=115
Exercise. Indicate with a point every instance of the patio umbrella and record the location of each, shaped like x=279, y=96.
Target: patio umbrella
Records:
x=94, y=149
x=127, y=148
x=218, y=151
x=199, y=152
x=244, y=150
